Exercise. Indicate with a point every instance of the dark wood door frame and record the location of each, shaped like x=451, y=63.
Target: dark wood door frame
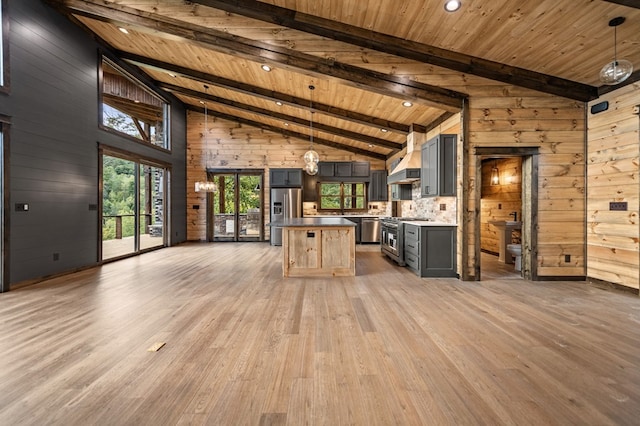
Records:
x=529, y=157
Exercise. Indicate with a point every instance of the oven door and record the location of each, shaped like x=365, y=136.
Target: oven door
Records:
x=389, y=241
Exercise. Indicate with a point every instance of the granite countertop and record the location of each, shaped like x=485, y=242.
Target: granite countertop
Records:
x=427, y=223
x=303, y=222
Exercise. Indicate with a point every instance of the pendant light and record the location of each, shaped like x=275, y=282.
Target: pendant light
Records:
x=207, y=185
x=618, y=70
x=311, y=157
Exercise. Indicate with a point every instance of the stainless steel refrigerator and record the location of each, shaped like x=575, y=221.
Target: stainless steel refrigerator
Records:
x=285, y=203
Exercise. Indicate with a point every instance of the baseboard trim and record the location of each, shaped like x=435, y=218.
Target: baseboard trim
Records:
x=607, y=285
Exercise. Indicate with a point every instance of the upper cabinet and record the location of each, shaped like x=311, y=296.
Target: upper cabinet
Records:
x=285, y=178
x=344, y=169
x=378, y=189
x=438, y=175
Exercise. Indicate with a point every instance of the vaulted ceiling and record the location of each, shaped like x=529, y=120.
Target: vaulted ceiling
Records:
x=364, y=57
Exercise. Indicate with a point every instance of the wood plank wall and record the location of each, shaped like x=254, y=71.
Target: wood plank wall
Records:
x=613, y=158
x=521, y=118
x=235, y=146
x=499, y=201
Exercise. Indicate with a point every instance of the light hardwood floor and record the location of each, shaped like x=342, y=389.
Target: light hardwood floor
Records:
x=245, y=346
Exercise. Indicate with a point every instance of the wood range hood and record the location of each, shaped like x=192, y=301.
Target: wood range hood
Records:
x=408, y=169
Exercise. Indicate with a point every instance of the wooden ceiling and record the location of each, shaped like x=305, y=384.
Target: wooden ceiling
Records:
x=364, y=57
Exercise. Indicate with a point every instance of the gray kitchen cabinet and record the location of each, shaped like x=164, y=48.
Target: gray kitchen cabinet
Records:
x=401, y=191
x=430, y=251
x=360, y=169
x=342, y=169
x=378, y=189
x=309, y=188
x=326, y=169
x=439, y=170
x=285, y=178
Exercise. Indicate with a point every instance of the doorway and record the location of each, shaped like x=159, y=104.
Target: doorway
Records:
x=512, y=176
x=133, y=206
x=235, y=209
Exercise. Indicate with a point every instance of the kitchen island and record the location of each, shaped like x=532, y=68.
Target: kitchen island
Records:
x=318, y=246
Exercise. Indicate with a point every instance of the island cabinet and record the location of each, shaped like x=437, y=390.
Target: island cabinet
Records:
x=439, y=170
x=318, y=247
x=430, y=250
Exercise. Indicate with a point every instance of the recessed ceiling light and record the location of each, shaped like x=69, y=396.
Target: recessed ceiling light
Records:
x=172, y=75
x=286, y=124
x=370, y=146
x=407, y=104
x=452, y=5
x=266, y=68
x=278, y=103
x=384, y=130
x=123, y=30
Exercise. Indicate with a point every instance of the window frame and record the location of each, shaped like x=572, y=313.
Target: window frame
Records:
x=5, y=79
x=166, y=113
x=343, y=197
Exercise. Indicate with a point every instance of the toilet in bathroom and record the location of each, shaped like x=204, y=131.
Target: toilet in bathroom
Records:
x=516, y=251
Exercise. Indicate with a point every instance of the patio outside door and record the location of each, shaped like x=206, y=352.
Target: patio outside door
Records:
x=236, y=207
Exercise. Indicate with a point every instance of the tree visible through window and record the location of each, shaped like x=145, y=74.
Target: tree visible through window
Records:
x=342, y=196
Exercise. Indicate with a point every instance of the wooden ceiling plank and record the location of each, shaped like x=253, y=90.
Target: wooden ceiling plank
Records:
x=288, y=133
x=395, y=147
x=406, y=48
x=248, y=89
x=220, y=41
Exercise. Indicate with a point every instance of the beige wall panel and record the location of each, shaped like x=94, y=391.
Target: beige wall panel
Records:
x=524, y=138
x=557, y=127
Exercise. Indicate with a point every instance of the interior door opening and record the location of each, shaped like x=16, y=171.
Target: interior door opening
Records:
x=235, y=209
x=508, y=205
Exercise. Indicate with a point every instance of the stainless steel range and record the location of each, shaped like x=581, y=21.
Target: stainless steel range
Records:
x=392, y=237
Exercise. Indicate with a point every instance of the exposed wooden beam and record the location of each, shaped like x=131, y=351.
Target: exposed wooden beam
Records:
x=635, y=76
x=288, y=133
x=629, y=3
x=395, y=147
x=248, y=89
x=406, y=48
x=223, y=42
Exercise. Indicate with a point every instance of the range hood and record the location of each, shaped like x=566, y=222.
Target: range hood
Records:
x=408, y=169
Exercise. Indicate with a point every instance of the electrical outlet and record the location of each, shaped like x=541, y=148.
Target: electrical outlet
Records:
x=567, y=258
x=499, y=206
x=56, y=257
x=618, y=206
x=443, y=207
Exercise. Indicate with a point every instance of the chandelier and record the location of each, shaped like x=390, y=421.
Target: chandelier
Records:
x=618, y=70
x=206, y=185
x=311, y=157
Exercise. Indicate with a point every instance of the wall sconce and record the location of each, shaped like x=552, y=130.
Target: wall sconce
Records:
x=495, y=175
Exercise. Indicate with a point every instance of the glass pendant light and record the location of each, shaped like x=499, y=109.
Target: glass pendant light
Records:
x=311, y=157
x=618, y=70
x=207, y=185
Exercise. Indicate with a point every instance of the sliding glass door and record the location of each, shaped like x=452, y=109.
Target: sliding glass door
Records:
x=236, y=212
x=133, y=206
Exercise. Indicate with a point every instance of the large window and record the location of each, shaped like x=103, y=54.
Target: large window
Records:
x=134, y=203
x=342, y=196
x=130, y=108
